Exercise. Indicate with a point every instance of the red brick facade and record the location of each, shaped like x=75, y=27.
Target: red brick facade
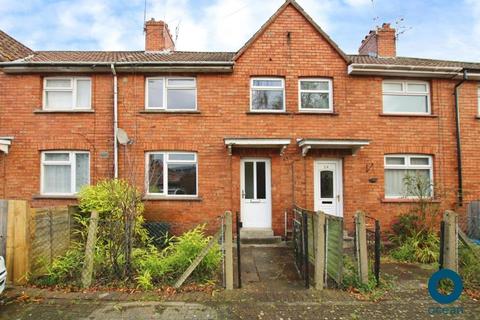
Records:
x=290, y=47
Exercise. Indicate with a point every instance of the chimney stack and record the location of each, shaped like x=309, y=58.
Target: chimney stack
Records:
x=158, y=37
x=380, y=42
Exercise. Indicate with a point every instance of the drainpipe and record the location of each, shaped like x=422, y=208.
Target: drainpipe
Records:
x=459, y=140
x=115, y=121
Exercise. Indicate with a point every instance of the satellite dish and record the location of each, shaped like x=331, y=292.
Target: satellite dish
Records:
x=122, y=137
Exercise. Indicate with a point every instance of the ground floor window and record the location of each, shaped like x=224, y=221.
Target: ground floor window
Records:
x=171, y=173
x=64, y=172
x=402, y=169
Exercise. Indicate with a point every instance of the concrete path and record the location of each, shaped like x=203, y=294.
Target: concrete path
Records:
x=272, y=290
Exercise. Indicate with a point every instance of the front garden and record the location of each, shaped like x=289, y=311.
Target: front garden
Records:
x=122, y=254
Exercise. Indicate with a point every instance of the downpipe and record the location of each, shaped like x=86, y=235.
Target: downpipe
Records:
x=115, y=121
x=459, y=140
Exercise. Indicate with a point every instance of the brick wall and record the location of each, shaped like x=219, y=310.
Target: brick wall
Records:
x=223, y=102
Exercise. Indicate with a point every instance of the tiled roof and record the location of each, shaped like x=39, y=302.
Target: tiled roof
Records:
x=407, y=61
x=128, y=56
x=11, y=49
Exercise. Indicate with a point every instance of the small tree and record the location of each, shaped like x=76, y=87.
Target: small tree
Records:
x=120, y=207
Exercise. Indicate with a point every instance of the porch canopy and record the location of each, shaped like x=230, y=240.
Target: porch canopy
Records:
x=5, y=143
x=352, y=145
x=280, y=144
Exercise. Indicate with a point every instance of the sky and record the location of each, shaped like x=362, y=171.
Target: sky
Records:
x=442, y=29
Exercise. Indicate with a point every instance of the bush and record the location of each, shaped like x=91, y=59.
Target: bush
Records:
x=166, y=266
x=64, y=269
x=469, y=267
x=423, y=247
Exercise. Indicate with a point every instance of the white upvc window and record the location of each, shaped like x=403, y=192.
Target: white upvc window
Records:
x=399, y=166
x=64, y=172
x=267, y=95
x=171, y=93
x=406, y=97
x=67, y=93
x=315, y=95
x=173, y=174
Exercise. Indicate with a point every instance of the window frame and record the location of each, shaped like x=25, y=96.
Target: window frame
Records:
x=409, y=166
x=329, y=91
x=72, y=89
x=165, y=88
x=73, y=170
x=252, y=87
x=405, y=92
x=166, y=161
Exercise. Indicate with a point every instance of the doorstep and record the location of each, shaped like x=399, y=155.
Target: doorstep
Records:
x=258, y=236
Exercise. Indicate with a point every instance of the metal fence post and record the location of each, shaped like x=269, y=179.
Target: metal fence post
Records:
x=377, y=252
x=239, y=263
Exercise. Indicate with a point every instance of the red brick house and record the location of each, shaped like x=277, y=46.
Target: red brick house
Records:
x=288, y=119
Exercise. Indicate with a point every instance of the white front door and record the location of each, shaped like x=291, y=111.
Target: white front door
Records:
x=256, y=194
x=328, y=187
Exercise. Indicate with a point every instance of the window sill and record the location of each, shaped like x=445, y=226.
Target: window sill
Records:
x=406, y=200
x=170, y=112
x=408, y=115
x=268, y=112
x=52, y=196
x=170, y=198
x=63, y=111
x=319, y=113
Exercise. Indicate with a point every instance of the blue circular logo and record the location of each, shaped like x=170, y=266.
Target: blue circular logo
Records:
x=445, y=274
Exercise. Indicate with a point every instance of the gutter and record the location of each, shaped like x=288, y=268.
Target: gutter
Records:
x=115, y=121
x=459, y=140
x=409, y=70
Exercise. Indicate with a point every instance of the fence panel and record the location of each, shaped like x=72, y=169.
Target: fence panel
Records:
x=473, y=223
x=334, y=251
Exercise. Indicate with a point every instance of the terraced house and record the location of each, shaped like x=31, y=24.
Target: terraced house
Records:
x=287, y=119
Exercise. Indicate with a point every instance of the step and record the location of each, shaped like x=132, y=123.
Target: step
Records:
x=255, y=233
x=262, y=240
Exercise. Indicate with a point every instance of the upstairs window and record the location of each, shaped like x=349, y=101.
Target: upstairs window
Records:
x=315, y=95
x=64, y=94
x=267, y=94
x=171, y=94
x=399, y=168
x=64, y=172
x=171, y=173
x=406, y=97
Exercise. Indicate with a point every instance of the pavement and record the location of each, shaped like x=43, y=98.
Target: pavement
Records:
x=271, y=289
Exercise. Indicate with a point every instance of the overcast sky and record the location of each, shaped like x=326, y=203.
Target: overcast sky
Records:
x=445, y=29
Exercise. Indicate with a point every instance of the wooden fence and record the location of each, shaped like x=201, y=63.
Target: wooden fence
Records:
x=31, y=238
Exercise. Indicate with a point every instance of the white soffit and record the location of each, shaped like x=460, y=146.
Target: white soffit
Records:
x=256, y=143
x=353, y=145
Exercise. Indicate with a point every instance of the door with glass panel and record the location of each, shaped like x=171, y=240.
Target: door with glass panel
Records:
x=256, y=204
x=328, y=187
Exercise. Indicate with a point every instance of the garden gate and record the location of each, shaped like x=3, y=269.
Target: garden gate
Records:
x=318, y=247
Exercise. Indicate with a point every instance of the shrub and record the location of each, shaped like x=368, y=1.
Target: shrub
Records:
x=166, y=266
x=469, y=266
x=423, y=247
x=64, y=269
